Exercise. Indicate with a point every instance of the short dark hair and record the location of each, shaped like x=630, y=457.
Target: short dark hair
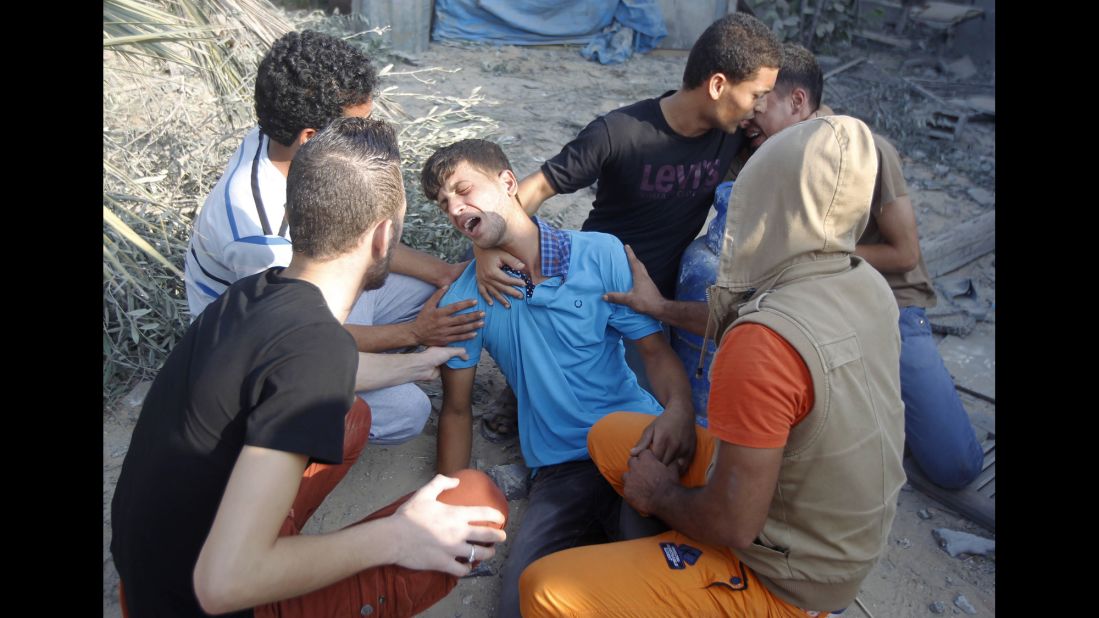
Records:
x=737, y=45
x=306, y=80
x=800, y=70
x=480, y=153
x=341, y=182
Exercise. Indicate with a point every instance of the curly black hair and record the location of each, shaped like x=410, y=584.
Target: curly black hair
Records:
x=737, y=45
x=306, y=80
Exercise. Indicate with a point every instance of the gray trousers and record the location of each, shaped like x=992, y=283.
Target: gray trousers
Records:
x=399, y=412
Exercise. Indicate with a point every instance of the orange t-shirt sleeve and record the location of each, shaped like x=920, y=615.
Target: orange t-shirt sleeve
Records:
x=759, y=388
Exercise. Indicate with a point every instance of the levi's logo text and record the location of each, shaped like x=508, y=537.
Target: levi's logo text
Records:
x=679, y=556
x=679, y=180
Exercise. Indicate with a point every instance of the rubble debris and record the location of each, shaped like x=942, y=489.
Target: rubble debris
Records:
x=513, y=479
x=956, y=542
x=963, y=604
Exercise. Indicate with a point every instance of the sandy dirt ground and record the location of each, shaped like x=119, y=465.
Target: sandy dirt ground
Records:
x=541, y=98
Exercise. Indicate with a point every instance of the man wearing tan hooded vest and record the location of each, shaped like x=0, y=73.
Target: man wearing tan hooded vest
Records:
x=788, y=502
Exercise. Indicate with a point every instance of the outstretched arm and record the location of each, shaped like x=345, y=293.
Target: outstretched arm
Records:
x=900, y=250
x=645, y=298
x=244, y=562
x=455, y=420
x=670, y=436
x=381, y=370
x=533, y=190
x=425, y=267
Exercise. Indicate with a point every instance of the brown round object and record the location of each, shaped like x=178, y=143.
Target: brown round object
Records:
x=475, y=488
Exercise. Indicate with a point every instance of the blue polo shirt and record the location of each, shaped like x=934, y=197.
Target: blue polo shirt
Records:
x=561, y=349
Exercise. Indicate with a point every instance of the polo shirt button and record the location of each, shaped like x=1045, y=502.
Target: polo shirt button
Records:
x=366, y=610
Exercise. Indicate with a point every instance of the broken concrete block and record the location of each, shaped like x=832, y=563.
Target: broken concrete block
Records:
x=956, y=542
x=963, y=604
x=982, y=103
x=937, y=607
x=983, y=197
x=513, y=479
x=962, y=68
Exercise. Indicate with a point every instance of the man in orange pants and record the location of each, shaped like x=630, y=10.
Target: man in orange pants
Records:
x=247, y=428
x=791, y=494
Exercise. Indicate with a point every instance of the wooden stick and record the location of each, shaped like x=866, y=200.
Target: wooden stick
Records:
x=843, y=67
x=863, y=607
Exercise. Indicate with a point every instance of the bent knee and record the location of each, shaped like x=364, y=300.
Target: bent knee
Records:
x=536, y=597
x=399, y=414
x=616, y=430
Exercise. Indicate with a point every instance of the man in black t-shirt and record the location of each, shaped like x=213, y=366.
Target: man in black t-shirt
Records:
x=246, y=429
x=657, y=162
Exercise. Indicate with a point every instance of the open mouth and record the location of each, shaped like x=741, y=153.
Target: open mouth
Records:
x=471, y=224
x=752, y=132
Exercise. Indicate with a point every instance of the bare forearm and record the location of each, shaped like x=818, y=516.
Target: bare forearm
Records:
x=422, y=266
x=693, y=512
x=383, y=370
x=886, y=258
x=296, y=565
x=382, y=338
x=455, y=439
x=668, y=379
x=688, y=315
x=533, y=190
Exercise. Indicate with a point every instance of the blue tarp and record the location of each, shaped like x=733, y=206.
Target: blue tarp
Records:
x=611, y=29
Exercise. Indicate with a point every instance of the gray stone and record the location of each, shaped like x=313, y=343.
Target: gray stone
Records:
x=937, y=607
x=941, y=169
x=923, y=514
x=984, y=197
x=513, y=479
x=904, y=543
x=964, y=604
x=956, y=542
x=962, y=68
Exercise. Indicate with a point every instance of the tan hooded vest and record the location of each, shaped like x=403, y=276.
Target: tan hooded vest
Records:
x=787, y=263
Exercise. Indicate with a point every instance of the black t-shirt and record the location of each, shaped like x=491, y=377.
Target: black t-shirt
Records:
x=655, y=186
x=267, y=365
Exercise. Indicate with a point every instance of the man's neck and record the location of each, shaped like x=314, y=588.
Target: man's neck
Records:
x=281, y=156
x=524, y=243
x=680, y=111
x=339, y=280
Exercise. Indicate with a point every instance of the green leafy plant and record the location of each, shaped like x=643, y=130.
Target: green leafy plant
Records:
x=177, y=100
x=798, y=21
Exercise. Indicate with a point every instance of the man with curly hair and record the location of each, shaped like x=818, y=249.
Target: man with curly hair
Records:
x=658, y=161
x=306, y=80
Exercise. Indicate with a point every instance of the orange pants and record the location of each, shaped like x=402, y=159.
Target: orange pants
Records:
x=669, y=574
x=388, y=590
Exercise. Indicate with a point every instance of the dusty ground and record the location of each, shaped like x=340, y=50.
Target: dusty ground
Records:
x=542, y=97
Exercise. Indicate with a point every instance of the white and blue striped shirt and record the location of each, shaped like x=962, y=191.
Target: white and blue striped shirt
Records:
x=241, y=228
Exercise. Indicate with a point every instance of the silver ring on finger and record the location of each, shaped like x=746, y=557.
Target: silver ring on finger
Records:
x=472, y=549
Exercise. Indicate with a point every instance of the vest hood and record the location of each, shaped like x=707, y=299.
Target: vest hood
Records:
x=803, y=197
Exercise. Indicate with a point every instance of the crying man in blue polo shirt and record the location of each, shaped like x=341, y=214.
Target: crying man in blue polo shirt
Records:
x=561, y=349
